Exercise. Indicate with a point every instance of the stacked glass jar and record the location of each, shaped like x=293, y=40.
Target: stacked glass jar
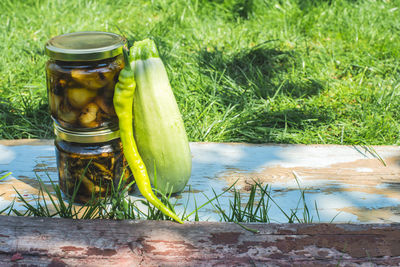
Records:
x=81, y=74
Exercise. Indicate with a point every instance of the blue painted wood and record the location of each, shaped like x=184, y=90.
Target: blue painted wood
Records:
x=349, y=183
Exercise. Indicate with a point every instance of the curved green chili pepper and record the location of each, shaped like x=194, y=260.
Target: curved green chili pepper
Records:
x=123, y=101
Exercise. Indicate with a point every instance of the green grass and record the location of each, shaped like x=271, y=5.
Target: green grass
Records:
x=254, y=207
x=289, y=71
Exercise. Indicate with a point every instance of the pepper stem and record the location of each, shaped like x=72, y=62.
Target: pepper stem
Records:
x=126, y=59
x=144, y=49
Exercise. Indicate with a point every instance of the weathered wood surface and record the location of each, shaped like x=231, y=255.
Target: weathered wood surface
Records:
x=348, y=181
x=60, y=242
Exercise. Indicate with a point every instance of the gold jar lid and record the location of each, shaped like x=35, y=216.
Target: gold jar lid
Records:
x=86, y=137
x=85, y=46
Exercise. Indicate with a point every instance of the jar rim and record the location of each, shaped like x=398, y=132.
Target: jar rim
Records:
x=97, y=136
x=85, y=46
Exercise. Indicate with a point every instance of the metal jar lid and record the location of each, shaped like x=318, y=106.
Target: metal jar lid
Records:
x=85, y=46
x=86, y=137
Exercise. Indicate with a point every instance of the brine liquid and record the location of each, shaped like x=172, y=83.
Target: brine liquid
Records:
x=93, y=170
x=81, y=93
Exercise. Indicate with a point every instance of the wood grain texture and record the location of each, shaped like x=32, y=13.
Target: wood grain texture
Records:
x=62, y=242
x=27, y=142
x=349, y=183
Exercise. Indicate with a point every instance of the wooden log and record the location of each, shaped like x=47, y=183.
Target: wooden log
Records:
x=60, y=242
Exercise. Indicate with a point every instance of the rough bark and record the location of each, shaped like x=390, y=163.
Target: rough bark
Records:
x=60, y=242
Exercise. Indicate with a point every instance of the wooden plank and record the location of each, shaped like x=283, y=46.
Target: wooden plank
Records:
x=61, y=242
x=30, y=142
x=349, y=181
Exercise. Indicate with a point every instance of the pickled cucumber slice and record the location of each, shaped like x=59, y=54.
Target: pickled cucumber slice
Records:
x=80, y=97
x=54, y=102
x=67, y=114
x=91, y=186
x=89, y=115
x=93, y=80
x=105, y=105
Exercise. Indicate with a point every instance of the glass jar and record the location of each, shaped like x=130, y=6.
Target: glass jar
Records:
x=81, y=75
x=91, y=163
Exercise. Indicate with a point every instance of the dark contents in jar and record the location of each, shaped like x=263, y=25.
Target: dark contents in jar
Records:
x=81, y=93
x=99, y=168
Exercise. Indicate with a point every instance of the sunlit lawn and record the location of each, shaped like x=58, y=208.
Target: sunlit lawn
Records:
x=250, y=71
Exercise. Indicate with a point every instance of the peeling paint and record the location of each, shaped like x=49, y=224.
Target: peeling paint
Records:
x=71, y=248
x=93, y=251
x=225, y=238
x=56, y=262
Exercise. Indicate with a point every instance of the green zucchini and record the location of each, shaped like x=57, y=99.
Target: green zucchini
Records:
x=158, y=126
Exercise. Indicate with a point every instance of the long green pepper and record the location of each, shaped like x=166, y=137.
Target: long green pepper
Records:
x=123, y=103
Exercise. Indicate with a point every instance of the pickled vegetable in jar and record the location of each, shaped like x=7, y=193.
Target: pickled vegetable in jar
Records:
x=81, y=75
x=91, y=163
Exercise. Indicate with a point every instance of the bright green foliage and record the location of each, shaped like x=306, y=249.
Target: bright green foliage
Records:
x=285, y=71
x=254, y=208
